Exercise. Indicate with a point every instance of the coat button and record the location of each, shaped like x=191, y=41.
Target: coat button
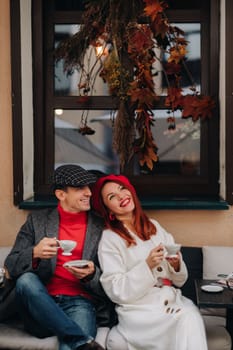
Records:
x=159, y=269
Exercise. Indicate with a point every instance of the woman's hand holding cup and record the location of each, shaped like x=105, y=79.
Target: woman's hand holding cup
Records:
x=155, y=257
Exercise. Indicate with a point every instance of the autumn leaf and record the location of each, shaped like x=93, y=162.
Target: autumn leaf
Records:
x=148, y=156
x=146, y=79
x=153, y=8
x=142, y=96
x=159, y=26
x=148, y=160
x=174, y=99
x=172, y=68
x=140, y=40
x=177, y=54
x=144, y=120
x=197, y=107
x=204, y=106
x=188, y=107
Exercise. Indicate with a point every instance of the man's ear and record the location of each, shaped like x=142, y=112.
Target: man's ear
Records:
x=60, y=194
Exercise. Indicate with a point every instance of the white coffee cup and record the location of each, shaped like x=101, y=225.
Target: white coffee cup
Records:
x=172, y=249
x=66, y=245
x=229, y=280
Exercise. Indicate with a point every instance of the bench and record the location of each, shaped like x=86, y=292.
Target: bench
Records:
x=12, y=335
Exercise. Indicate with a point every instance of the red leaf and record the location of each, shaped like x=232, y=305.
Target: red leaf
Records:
x=174, y=99
x=172, y=68
x=142, y=96
x=197, y=107
x=140, y=39
x=160, y=26
x=153, y=8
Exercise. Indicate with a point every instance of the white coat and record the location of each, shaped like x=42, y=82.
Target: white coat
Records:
x=151, y=316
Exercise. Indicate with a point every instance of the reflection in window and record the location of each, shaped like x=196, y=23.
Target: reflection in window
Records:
x=193, y=36
x=68, y=85
x=192, y=66
x=90, y=151
x=179, y=148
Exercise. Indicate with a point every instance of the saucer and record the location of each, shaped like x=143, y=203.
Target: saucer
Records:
x=171, y=255
x=76, y=263
x=212, y=289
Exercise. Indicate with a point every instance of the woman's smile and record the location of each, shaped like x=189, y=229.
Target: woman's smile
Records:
x=125, y=202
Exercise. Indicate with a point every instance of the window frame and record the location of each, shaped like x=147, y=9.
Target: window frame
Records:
x=147, y=186
x=228, y=100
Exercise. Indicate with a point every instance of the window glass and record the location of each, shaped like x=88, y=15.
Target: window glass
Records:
x=193, y=62
x=178, y=146
x=87, y=145
x=68, y=84
x=91, y=145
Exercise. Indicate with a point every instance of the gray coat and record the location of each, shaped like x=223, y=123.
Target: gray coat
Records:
x=45, y=223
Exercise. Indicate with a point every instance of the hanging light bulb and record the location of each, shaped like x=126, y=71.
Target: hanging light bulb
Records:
x=58, y=111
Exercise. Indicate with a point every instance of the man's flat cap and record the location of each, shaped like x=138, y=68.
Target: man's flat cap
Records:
x=72, y=175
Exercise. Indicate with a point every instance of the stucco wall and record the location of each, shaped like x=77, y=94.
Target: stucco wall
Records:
x=10, y=217
x=189, y=227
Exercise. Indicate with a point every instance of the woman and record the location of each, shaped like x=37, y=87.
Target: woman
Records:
x=139, y=279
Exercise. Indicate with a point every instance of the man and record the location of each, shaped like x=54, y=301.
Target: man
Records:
x=53, y=299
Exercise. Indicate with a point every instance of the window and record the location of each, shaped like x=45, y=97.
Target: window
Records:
x=189, y=156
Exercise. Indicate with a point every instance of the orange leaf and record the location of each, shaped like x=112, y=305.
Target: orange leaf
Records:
x=197, y=107
x=177, y=54
x=174, y=99
x=148, y=157
x=153, y=8
x=143, y=96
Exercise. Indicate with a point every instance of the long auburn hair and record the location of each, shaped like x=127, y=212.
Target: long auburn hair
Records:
x=143, y=226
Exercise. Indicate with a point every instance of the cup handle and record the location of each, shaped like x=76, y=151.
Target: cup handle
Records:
x=58, y=243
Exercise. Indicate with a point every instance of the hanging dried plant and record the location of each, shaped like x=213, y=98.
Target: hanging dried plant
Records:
x=123, y=133
x=133, y=34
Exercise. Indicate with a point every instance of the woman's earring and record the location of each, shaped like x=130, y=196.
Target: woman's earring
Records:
x=112, y=217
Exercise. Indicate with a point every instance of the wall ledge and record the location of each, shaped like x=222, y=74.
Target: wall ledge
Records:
x=208, y=204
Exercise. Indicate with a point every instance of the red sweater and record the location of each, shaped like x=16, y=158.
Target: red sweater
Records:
x=71, y=226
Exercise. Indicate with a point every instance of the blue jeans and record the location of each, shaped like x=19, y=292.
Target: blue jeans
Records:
x=71, y=318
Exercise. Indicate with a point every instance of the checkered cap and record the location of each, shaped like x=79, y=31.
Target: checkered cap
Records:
x=72, y=175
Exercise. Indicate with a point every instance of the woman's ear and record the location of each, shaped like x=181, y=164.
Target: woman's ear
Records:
x=111, y=216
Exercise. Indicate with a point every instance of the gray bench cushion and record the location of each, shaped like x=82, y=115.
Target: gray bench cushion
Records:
x=217, y=336
x=12, y=336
